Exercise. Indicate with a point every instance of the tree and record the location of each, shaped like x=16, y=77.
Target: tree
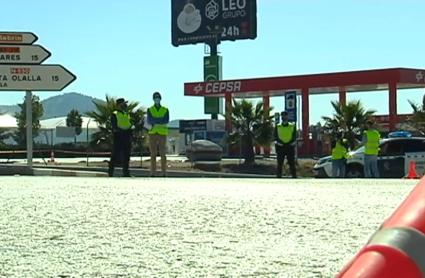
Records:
x=349, y=118
x=74, y=119
x=252, y=125
x=102, y=115
x=418, y=117
x=20, y=136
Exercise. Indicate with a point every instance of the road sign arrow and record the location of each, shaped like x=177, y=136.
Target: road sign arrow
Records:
x=23, y=54
x=34, y=78
x=17, y=38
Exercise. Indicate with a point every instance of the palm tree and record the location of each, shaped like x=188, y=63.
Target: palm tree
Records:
x=418, y=118
x=252, y=125
x=349, y=118
x=102, y=115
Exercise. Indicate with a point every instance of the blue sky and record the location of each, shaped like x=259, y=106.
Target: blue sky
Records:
x=123, y=48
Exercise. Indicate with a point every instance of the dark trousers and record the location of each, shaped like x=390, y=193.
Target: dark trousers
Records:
x=289, y=152
x=121, y=151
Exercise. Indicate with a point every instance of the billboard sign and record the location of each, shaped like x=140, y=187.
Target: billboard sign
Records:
x=65, y=132
x=192, y=125
x=202, y=21
x=291, y=105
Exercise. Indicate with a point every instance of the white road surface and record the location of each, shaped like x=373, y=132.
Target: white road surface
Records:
x=134, y=227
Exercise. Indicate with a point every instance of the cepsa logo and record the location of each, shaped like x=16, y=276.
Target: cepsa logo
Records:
x=218, y=87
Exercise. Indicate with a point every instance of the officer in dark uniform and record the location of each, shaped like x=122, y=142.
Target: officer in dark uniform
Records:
x=285, y=136
x=121, y=128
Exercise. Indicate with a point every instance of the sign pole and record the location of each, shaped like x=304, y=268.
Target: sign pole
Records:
x=28, y=100
x=212, y=72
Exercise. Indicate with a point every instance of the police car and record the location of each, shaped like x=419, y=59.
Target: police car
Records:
x=394, y=158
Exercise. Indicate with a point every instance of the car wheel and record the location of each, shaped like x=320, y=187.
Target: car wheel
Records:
x=354, y=172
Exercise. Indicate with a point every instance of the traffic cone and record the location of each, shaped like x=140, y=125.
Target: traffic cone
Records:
x=412, y=171
x=396, y=250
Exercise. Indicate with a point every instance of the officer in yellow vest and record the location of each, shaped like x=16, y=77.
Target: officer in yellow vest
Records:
x=121, y=129
x=339, y=156
x=158, y=118
x=285, y=136
x=370, y=140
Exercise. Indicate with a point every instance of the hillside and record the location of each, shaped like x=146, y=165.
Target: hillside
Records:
x=59, y=106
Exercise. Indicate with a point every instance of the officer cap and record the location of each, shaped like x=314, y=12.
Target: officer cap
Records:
x=121, y=100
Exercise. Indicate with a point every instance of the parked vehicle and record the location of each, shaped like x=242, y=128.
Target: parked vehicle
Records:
x=394, y=157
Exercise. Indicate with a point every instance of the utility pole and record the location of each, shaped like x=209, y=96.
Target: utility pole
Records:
x=28, y=100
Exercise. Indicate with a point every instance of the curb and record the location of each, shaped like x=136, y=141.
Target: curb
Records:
x=67, y=173
x=146, y=173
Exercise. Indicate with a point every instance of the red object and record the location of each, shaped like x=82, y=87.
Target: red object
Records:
x=324, y=83
x=384, y=261
x=378, y=261
x=412, y=171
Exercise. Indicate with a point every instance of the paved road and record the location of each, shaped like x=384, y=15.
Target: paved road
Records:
x=100, y=227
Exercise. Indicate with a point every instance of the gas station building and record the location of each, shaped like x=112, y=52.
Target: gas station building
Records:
x=390, y=80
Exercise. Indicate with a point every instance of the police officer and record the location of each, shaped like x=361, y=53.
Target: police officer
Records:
x=121, y=129
x=285, y=136
x=158, y=118
x=339, y=155
x=370, y=140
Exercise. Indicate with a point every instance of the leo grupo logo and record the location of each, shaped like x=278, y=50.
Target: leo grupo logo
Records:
x=189, y=19
x=211, y=10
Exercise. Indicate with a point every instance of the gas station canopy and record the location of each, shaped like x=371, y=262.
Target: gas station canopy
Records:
x=323, y=83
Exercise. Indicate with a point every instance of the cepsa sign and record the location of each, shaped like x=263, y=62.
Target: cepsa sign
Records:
x=195, y=21
x=216, y=88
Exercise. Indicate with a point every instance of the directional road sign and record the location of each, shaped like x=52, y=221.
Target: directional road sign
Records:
x=23, y=54
x=34, y=78
x=17, y=38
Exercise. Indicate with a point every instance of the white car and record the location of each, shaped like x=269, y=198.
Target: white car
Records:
x=394, y=155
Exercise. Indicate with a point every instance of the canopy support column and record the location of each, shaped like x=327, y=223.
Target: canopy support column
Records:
x=305, y=120
x=393, y=105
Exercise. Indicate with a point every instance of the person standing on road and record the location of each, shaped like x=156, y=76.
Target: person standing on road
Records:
x=158, y=118
x=339, y=156
x=121, y=146
x=285, y=136
x=370, y=140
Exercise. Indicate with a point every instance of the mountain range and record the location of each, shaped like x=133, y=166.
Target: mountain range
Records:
x=59, y=106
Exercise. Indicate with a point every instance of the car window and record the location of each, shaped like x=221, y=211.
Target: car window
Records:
x=392, y=148
x=416, y=145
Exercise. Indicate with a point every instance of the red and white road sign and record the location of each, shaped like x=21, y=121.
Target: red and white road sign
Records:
x=17, y=38
x=34, y=78
x=23, y=54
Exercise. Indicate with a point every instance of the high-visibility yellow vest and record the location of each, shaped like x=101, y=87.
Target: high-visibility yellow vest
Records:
x=285, y=132
x=372, y=142
x=339, y=151
x=123, y=120
x=160, y=129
